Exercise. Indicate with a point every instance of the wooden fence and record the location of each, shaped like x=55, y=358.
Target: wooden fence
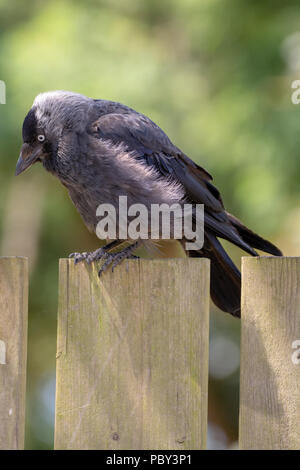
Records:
x=132, y=355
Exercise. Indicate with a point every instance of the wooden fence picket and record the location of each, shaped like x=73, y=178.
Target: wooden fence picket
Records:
x=13, y=350
x=132, y=355
x=270, y=354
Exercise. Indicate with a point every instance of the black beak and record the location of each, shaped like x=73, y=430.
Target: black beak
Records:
x=27, y=157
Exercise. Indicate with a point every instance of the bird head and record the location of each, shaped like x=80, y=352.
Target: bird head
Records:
x=52, y=114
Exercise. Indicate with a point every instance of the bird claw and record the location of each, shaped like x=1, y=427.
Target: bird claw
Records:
x=114, y=259
x=78, y=257
x=88, y=256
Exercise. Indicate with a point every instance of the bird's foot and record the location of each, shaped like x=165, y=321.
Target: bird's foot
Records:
x=110, y=259
x=113, y=259
x=90, y=256
x=87, y=256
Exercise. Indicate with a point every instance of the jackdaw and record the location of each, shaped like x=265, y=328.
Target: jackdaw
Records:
x=101, y=150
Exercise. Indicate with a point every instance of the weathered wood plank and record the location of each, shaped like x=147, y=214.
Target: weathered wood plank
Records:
x=270, y=372
x=132, y=356
x=13, y=350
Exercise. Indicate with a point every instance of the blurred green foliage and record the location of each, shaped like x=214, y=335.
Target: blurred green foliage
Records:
x=215, y=75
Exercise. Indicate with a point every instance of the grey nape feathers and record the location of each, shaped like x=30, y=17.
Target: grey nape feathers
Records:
x=101, y=150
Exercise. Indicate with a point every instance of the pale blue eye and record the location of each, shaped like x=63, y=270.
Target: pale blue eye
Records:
x=41, y=138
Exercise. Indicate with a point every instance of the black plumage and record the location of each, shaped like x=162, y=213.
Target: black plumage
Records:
x=29, y=130
x=100, y=150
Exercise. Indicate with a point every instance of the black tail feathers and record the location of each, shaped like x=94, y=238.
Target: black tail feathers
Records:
x=252, y=239
x=225, y=278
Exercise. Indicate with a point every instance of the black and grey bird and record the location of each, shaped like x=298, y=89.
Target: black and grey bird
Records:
x=101, y=150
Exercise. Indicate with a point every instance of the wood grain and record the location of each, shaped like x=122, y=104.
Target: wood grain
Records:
x=132, y=355
x=270, y=376
x=13, y=350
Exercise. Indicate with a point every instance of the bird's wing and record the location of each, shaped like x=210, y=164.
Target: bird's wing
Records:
x=153, y=147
